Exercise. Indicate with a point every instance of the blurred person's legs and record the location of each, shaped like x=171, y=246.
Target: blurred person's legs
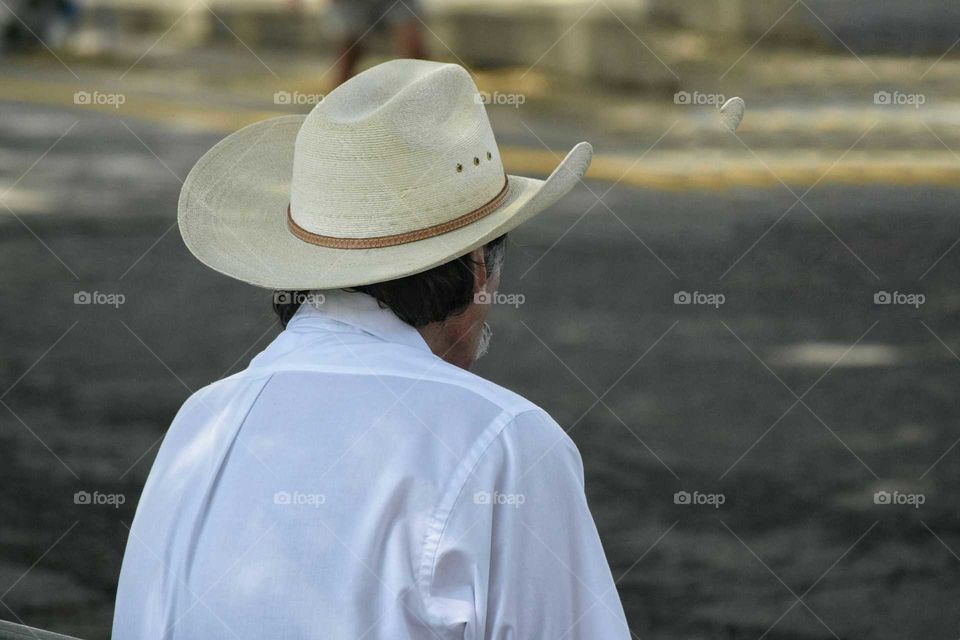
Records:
x=30, y=24
x=11, y=29
x=409, y=39
x=355, y=19
x=63, y=22
x=351, y=51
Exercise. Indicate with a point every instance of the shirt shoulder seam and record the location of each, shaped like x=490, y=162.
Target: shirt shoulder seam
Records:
x=504, y=399
x=454, y=487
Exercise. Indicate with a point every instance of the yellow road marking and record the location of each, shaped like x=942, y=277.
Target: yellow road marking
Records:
x=669, y=169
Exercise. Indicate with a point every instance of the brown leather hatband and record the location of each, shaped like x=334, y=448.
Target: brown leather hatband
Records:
x=378, y=242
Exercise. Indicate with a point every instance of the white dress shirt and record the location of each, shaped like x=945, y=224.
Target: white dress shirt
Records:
x=350, y=484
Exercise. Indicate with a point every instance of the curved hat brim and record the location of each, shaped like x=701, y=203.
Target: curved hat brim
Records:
x=233, y=217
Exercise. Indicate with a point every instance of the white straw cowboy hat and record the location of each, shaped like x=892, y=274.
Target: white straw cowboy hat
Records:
x=394, y=172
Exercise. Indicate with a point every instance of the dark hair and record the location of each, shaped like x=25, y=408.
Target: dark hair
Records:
x=431, y=296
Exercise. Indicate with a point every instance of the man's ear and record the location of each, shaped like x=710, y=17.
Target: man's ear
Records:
x=478, y=259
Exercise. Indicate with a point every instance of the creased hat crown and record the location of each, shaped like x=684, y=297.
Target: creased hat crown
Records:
x=395, y=172
x=399, y=148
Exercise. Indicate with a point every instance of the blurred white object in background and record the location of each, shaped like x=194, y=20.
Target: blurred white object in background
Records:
x=731, y=113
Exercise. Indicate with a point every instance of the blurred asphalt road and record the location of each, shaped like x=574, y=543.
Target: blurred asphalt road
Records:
x=796, y=399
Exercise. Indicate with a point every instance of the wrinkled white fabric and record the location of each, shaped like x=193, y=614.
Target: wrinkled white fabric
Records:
x=350, y=484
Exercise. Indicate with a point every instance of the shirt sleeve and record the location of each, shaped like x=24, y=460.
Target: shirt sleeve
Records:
x=520, y=556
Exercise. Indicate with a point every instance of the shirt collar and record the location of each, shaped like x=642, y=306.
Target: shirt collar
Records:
x=357, y=310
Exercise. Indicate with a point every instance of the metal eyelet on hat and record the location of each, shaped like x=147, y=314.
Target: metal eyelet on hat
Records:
x=476, y=161
x=489, y=156
x=459, y=167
